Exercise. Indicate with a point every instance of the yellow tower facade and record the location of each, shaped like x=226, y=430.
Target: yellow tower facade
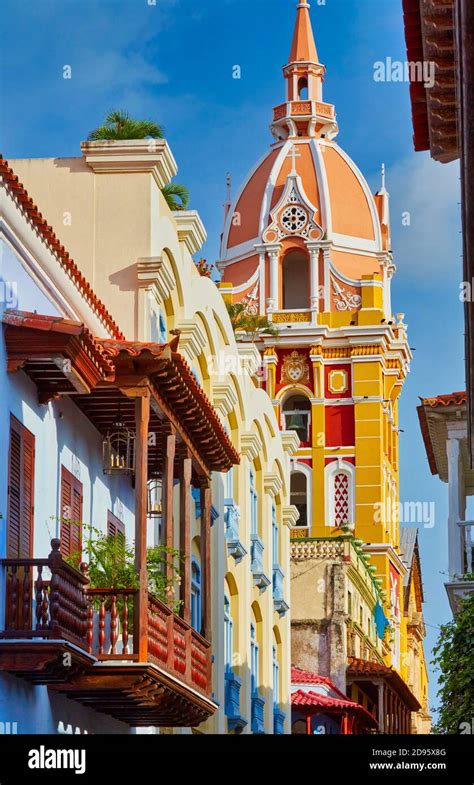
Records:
x=306, y=245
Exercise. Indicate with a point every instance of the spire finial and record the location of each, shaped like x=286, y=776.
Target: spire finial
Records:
x=228, y=183
x=383, y=175
x=303, y=47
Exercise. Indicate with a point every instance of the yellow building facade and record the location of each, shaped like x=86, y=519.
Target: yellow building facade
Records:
x=108, y=209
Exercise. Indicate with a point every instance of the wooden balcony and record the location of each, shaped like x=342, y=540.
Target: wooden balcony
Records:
x=85, y=643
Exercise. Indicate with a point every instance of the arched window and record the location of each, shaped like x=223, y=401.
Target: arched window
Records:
x=158, y=327
x=297, y=414
x=253, y=506
x=195, y=595
x=228, y=634
x=276, y=676
x=295, y=280
x=299, y=496
x=340, y=506
x=302, y=89
x=254, y=659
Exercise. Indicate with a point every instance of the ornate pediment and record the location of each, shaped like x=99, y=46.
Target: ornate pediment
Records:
x=294, y=214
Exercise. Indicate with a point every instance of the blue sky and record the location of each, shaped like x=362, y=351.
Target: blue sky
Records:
x=173, y=62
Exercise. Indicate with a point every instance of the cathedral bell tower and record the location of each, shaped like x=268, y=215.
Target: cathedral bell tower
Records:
x=307, y=244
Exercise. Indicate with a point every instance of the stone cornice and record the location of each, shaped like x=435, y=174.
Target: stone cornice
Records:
x=191, y=229
x=290, y=515
x=151, y=156
x=249, y=357
x=152, y=273
x=250, y=445
x=192, y=339
x=272, y=483
x=291, y=442
x=224, y=398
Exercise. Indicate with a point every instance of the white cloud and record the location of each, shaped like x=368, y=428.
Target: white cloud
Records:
x=428, y=194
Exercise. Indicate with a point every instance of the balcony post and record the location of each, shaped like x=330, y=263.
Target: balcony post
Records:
x=142, y=416
x=206, y=559
x=185, y=537
x=167, y=502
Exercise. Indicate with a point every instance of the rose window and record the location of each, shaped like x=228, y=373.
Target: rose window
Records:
x=293, y=219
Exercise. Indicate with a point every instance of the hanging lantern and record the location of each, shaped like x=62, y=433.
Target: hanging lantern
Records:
x=154, y=491
x=118, y=449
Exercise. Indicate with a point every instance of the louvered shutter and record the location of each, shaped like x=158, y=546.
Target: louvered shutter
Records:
x=115, y=527
x=71, y=513
x=20, y=491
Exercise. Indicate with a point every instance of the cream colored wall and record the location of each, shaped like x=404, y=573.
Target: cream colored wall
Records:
x=118, y=218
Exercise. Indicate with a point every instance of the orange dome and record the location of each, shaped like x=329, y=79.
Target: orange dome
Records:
x=305, y=197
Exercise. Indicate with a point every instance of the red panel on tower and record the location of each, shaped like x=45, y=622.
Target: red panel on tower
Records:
x=340, y=431
x=337, y=381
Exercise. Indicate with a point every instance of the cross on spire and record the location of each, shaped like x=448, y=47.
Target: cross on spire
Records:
x=294, y=156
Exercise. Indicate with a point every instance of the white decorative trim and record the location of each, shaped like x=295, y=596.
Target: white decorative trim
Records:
x=272, y=483
x=250, y=357
x=291, y=441
x=307, y=471
x=330, y=470
x=270, y=187
x=250, y=445
x=192, y=339
x=134, y=155
x=323, y=188
x=191, y=229
x=153, y=274
x=224, y=398
x=290, y=515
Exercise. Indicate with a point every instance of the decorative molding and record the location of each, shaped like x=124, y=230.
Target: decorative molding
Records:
x=153, y=274
x=317, y=549
x=192, y=339
x=250, y=445
x=249, y=357
x=290, y=515
x=224, y=398
x=272, y=483
x=151, y=156
x=291, y=442
x=294, y=369
x=191, y=229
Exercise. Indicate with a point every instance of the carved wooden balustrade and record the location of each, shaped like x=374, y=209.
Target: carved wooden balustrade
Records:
x=49, y=599
x=45, y=598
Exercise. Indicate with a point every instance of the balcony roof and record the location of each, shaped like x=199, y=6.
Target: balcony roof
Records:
x=63, y=358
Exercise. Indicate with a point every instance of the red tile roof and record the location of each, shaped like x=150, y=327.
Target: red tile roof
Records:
x=299, y=676
x=307, y=700
x=437, y=401
x=29, y=208
x=455, y=398
x=178, y=385
x=58, y=324
x=366, y=668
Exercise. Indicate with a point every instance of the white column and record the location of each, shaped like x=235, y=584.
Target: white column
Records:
x=261, y=257
x=272, y=302
x=326, y=254
x=455, y=540
x=314, y=275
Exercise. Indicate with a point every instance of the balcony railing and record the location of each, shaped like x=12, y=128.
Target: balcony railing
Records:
x=234, y=546
x=232, y=701
x=258, y=718
x=260, y=579
x=47, y=600
x=303, y=109
x=280, y=605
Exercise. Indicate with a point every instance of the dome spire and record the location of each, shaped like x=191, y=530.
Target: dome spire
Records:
x=304, y=112
x=303, y=47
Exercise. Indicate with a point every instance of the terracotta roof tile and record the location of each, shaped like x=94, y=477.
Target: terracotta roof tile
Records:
x=456, y=398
